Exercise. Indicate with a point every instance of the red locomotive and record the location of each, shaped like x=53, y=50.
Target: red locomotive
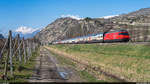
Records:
x=116, y=36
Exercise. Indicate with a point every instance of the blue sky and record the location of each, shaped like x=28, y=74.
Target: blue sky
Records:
x=39, y=13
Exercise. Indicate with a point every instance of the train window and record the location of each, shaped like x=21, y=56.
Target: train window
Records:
x=123, y=34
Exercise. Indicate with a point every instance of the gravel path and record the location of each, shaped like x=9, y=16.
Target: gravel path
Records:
x=48, y=69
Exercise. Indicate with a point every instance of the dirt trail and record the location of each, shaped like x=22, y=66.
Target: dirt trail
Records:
x=48, y=69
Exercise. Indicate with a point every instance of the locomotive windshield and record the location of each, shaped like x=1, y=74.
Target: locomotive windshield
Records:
x=123, y=34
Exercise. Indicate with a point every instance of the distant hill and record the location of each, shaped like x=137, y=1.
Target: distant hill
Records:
x=139, y=16
x=1, y=36
x=29, y=35
x=64, y=28
x=2, y=41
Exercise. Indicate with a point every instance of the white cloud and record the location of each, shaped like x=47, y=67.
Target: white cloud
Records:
x=26, y=30
x=110, y=16
x=77, y=17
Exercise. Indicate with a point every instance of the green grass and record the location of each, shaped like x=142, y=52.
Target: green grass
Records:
x=122, y=50
x=64, y=60
x=90, y=78
x=25, y=72
x=130, y=60
x=83, y=74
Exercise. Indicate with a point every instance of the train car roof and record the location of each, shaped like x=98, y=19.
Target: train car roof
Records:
x=85, y=36
x=122, y=30
x=81, y=36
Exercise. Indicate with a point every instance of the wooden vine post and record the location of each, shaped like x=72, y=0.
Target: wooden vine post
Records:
x=24, y=50
x=19, y=52
x=10, y=53
x=8, y=57
x=28, y=50
x=6, y=67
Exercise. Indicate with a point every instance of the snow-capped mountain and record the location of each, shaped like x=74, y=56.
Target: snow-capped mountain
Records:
x=110, y=16
x=77, y=17
x=26, y=32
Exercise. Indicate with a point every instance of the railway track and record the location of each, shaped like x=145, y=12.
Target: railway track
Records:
x=124, y=43
x=116, y=43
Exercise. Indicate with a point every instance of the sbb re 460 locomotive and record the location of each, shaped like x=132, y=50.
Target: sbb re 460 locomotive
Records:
x=103, y=37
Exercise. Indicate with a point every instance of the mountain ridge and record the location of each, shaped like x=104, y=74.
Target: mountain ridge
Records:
x=64, y=28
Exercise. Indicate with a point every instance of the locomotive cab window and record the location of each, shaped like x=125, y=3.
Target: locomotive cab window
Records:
x=123, y=34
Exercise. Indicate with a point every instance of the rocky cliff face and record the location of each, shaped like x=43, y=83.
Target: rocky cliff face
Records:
x=64, y=28
x=140, y=16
